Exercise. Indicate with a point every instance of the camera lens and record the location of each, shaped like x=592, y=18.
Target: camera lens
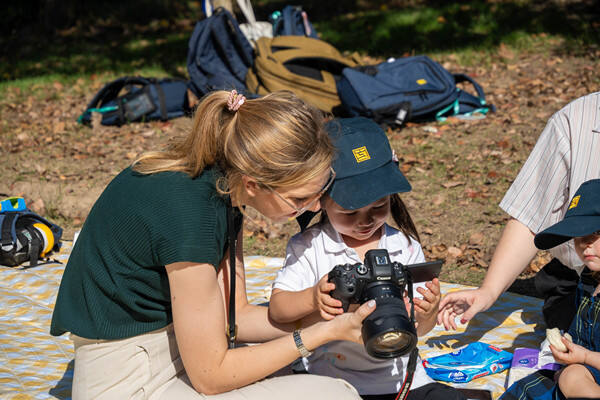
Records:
x=387, y=332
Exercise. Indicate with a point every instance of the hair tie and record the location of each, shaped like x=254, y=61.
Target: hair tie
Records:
x=235, y=100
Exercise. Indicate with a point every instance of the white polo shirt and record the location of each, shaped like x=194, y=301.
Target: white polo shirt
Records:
x=566, y=154
x=312, y=254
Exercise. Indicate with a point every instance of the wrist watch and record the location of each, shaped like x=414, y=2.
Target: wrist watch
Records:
x=299, y=345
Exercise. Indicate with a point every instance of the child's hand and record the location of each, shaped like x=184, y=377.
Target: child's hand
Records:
x=328, y=306
x=426, y=309
x=428, y=306
x=575, y=353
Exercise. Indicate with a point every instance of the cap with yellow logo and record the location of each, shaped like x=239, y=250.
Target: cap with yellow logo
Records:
x=365, y=170
x=582, y=218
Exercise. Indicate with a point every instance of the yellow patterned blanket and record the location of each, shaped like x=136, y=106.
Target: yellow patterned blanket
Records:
x=35, y=365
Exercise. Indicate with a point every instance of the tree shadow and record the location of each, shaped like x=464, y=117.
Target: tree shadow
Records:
x=91, y=37
x=492, y=321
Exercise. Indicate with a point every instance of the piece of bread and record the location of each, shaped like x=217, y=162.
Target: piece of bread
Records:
x=553, y=335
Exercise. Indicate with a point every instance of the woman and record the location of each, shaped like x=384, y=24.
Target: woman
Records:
x=145, y=291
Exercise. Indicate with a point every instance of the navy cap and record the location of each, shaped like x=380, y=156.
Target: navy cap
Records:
x=582, y=218
x=365, y=171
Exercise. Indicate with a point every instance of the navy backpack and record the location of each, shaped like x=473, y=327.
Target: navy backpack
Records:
x=292, y=21
x=408, y=89
x=219, y=55
x=143, y=99
x=24, y=235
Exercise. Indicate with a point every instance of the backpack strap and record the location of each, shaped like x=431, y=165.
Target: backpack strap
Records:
x=289, y=25
x=34, y=245
x=110, y=92
x=458, y=78
x=8, y=238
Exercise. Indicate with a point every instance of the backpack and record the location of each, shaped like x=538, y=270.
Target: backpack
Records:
x=144, y=99
x=24, y=235
x=219, y=55
x=306, y=66
x=408, y=89
x=292, y=21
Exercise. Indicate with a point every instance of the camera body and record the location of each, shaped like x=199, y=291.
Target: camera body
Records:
x=388, y=331
x=351, y=279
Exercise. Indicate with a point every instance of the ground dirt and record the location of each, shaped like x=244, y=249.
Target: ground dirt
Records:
x=459, y=169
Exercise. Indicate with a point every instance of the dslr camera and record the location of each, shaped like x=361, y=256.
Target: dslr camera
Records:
x=388, y=331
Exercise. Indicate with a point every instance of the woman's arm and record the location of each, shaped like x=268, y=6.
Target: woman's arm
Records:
x=514, y=252
x=254, y=323
x=199, y=319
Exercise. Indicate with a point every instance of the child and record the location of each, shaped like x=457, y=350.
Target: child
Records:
x=580, y=378
x=362, y=197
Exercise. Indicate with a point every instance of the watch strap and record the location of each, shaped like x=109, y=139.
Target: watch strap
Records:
x=299, y=345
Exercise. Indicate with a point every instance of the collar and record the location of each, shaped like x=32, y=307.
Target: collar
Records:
x=333, y=242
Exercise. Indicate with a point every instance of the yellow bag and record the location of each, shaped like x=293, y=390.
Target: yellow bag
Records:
x=306, y=66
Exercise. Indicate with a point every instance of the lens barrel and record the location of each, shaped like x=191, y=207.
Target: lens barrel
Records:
x=387, y=332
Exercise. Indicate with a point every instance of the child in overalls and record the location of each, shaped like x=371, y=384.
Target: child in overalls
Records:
x=580, y=377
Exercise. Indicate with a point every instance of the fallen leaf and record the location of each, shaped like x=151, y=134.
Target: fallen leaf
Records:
x=476, y=238
x=454, y=251
x=449, y=185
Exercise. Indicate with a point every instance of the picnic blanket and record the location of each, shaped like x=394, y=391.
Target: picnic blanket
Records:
x=36, y=365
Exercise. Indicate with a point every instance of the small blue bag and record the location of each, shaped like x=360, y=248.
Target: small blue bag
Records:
x=471, y=362
x=292, y=21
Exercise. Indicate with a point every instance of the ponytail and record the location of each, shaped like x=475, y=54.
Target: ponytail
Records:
x=277, y=139
x=402, y=217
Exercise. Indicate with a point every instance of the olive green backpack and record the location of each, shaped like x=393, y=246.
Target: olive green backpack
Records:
x=306, y=66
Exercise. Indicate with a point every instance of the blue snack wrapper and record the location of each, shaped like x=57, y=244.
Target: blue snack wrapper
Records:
x=471, y=362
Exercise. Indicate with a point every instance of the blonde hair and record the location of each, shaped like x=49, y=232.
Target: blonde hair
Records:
x=277, y=139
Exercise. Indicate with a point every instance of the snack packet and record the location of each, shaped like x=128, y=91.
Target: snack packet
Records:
x=471, y=362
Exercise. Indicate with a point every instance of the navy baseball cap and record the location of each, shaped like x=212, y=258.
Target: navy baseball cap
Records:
x=582, y=218
x=364, y=168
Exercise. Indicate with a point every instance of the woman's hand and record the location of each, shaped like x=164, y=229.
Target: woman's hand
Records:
x=328, y=306
x=348, y=326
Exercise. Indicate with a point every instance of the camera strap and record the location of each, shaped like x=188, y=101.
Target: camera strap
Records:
x=232, y=241
x=410, y=372
x=414, y=354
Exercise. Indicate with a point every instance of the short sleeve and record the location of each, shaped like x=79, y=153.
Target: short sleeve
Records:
x=188, y=221
x=298, y=272
x=540, y=190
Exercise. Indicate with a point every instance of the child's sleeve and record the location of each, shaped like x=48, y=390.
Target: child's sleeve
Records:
x=415, y=252
x=299, y=269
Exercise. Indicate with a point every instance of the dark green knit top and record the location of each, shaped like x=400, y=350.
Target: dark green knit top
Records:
x=115, y=283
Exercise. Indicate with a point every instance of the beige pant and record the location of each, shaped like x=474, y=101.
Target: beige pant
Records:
x=149, y=367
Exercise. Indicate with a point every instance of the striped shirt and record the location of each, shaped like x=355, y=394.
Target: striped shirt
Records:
x=566, y=154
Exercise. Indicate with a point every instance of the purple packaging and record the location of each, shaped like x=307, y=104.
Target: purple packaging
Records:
x=526, y=361
x=528, y=358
